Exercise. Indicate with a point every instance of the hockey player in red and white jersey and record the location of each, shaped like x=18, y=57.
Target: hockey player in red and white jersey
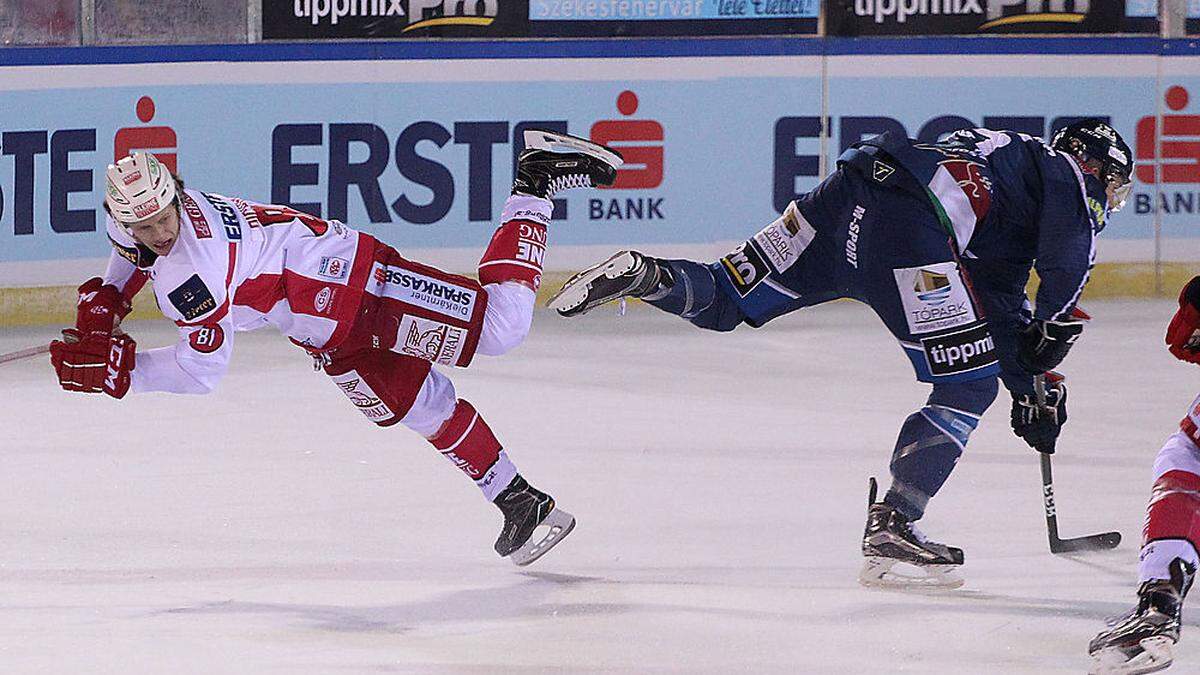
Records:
x=1141, y=641
x=373, y=320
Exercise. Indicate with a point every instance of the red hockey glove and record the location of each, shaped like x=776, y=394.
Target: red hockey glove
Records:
x=101, y=307
x=1183, y=334
x=93, y=363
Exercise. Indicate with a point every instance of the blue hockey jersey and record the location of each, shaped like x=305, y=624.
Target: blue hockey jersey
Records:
x=1011, y=204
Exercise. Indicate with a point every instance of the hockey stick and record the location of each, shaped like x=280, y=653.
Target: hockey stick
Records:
x=1095, y=542
x=24, y=353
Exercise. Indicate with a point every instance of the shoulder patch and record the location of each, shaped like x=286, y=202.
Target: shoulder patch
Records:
x=139, y=255
x=745, y=267
x=192, y=298
x=125, y=252
x=196, y=216
x=208, y=338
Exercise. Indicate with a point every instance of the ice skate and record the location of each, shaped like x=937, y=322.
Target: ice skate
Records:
x=554, y=162
x=532, y=523
x=899, y=556
x=1141, y=641
x=625, y=274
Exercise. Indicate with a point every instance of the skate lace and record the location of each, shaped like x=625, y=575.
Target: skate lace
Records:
x=572, y=180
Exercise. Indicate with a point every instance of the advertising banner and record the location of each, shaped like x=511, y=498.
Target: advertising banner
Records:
x=360, y=19
x=421, y=154
x=850, y=18
x=672, y=17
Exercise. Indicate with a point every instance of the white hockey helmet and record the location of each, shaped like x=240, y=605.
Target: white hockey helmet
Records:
x=139, y=187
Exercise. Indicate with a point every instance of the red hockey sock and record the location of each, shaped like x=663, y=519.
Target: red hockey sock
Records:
x=1174, y=509
x=515, y=254
x=466, y=440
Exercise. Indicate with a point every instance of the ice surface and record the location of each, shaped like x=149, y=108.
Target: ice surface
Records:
x=719, y=481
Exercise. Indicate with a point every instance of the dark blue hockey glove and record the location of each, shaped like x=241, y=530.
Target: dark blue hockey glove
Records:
x=1043, y=344
x=1039, y=426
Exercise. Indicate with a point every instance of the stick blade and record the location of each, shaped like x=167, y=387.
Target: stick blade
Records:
x=1104, y=541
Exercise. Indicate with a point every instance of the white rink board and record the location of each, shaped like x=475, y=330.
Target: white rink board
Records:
x=719, y=482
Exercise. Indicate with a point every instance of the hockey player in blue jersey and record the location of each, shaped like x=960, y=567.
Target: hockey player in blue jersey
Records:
x=939, y=239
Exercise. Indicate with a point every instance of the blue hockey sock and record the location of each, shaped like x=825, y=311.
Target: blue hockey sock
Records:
x=693, y=294
x=932, y=439
x=691, y=291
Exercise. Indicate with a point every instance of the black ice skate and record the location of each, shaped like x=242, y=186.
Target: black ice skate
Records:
x=626, y=274
x=532, y=524
x=1140, y=641
x=891, y=539
x=554, y=162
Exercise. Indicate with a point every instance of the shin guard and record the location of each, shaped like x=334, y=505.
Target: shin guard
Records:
x=466, y=440
x=1172, y=527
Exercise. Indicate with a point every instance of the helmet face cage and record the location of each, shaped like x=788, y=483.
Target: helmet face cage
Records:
x=138, y=188
x=1101, y=151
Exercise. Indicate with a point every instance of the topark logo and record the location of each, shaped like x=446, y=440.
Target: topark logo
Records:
x=932, y=287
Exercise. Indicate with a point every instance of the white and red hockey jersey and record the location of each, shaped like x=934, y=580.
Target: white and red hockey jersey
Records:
x=239, y=266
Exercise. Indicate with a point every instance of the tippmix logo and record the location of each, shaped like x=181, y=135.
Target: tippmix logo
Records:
x=994, y=13
x=417, y=13
x=999, y=12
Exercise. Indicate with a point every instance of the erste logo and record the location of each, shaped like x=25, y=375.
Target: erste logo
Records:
x=1172, y=154
x=159, y=140
x=643, y=168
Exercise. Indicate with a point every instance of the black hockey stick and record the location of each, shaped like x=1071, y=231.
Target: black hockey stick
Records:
x=1095, y=542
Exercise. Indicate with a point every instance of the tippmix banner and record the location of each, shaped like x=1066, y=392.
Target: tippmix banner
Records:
x=366, y=19
x=851, y=18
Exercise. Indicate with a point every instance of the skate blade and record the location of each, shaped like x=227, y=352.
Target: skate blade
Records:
x=537, y=139
x=557, y=525
x=574, y=293
x=1155, y=655
x=881, y=573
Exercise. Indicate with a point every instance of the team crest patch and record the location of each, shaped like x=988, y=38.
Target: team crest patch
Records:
x=192, y=298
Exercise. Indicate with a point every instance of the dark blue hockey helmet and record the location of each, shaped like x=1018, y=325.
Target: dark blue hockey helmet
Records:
x=1101, y=152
